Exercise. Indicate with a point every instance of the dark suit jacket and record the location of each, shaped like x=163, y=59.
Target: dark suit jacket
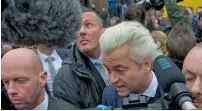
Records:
x=111, y=98
x=55, y=103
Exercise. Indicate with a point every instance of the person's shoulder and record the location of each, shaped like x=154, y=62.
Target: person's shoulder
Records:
x=109, y=91
x=111, y=98
x=56, y=103
x=62, y=50
x=65, y=52
x=65, y=72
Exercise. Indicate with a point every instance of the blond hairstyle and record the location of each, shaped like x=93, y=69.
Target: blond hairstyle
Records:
x=142, y=45
x=161, y=37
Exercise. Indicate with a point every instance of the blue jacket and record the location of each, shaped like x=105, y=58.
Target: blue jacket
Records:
x=111, y=98
x=112, y=4
x=198, y=31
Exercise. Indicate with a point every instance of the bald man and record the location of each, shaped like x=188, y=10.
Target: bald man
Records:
x=24, y=80
x=192, y=70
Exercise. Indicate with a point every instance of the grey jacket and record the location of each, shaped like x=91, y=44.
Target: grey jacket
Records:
x=78, y=81
x=62, y=52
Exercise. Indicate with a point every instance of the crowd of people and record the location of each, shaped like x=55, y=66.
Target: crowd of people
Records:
x=59, y=55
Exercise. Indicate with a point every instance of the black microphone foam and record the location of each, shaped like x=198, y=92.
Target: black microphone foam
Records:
x=30, y=22
x=167, y=72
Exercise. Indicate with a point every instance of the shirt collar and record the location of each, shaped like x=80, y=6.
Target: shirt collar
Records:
x=44, y=104
x=54, y=54
x=151, y=90
x=95, y=60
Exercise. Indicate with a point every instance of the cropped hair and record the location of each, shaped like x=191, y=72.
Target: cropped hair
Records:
x=142, y=45
x=135, y=12
x=30, y=22
x=117, y=19
x=180, y=41
x=186, y=14
x=86, y=9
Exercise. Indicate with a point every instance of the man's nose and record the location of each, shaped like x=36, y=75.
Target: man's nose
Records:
x=12, y=89
x=82, y=31
x=113, y=77
x=197, y=87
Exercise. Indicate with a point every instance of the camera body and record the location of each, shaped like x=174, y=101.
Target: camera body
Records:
x=157, y=4
x=139, y=102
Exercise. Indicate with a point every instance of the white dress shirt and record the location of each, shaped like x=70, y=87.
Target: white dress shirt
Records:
x=57, y=64
x=151, y=90
x=44, y=104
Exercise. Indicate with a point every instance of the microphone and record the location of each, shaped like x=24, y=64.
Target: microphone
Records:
x=157, y=4
x=30, y=22
x=100, y=107
x=173, y=82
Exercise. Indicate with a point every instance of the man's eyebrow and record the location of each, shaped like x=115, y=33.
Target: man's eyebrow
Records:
x=119, y=66
x=189, y=71
x=16, y=78
x=21, y=78
x=88, y=19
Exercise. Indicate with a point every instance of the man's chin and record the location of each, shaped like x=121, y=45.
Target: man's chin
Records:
x=198, y=106
x=123, y=94
x=19, y=106
x=85, y=49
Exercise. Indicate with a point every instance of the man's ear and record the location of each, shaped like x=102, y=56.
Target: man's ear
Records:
x=43, y=78
x=147, y=65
